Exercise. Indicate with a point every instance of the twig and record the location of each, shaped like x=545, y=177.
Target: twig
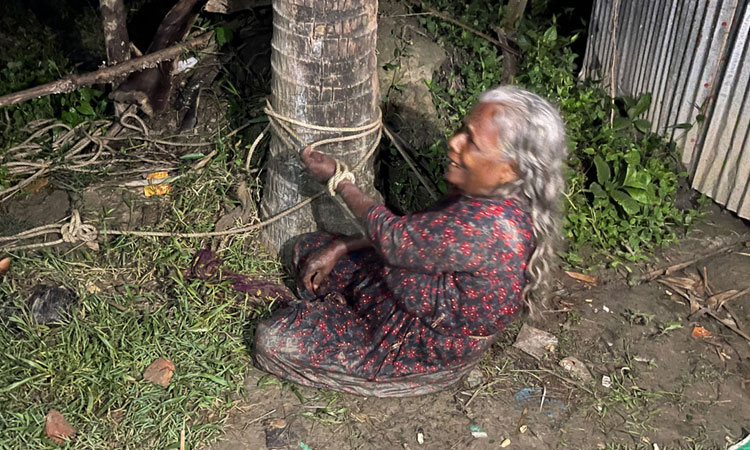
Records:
x=614, y=58
x=731, y=327
x=260, y=418
x=410, y=162
x=648, y=276
x=480, y=388
x=544, y=395
x=482, y=35
x=107, y=74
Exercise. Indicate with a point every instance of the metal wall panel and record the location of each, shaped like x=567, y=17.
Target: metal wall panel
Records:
x=692, y=56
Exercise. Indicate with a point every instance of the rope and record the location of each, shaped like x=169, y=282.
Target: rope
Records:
x=75, y=230
x=342, y=174
x=72, y=232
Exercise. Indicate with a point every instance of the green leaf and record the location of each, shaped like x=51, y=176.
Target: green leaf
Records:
x=643, y=125
x=620, y=123
x=524, y=43
x=603, y=173
x=223, y=35
x=598, y=192
x=638, y=195
x=644, y=102
x=550, y=35
x=635, y=178
x=86, y=109
x=626, y=201
x=192, y=156
x=683, y=126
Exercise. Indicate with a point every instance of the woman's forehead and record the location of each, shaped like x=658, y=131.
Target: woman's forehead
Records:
x=481, y=118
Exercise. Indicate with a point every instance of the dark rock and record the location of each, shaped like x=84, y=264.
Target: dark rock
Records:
x=50, y=304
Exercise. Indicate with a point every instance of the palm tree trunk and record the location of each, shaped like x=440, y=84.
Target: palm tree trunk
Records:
x=324, y=73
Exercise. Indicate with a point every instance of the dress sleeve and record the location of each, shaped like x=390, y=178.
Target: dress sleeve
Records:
x=465, y=236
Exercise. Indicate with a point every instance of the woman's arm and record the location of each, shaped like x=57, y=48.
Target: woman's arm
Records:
x=322, y=168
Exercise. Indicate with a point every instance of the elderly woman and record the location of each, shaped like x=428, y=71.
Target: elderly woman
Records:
x=411, y=307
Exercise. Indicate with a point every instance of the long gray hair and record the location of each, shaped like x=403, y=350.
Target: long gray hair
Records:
x=532, y=135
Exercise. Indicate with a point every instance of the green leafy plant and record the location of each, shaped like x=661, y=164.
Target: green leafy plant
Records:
x=622, y=180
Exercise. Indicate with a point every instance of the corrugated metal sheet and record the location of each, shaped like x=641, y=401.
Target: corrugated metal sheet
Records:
x=692, y=56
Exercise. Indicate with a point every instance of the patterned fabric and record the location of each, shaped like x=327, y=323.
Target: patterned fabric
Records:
x=412, y=314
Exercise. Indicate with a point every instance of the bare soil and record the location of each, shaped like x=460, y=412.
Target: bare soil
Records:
x=667, y=387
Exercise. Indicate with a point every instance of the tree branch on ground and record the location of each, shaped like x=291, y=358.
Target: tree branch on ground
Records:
x=107, y=74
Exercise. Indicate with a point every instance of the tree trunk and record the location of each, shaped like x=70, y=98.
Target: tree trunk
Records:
x=115, y=31
x=324, y=73
x=508, y=27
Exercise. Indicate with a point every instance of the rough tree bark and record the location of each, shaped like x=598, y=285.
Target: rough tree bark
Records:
x=115, y=31
x=508, y=27
x=324, y=73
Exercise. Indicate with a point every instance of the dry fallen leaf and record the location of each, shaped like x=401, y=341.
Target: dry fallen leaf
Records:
x=36, y=186
x=582, y=277
x=57, y=428
x=700, y=332
x=159, y=372
x=4, y=265
x=160, y=188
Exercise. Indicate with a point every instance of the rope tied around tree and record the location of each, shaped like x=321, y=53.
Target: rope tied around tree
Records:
x=75, y=230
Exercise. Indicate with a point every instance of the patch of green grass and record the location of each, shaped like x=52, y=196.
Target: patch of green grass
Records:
x=133, y=307
x=628, y=408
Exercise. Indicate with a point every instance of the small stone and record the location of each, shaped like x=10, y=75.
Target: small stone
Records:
x=523, y=428
x=159, y=372
x=50, y=304
x=474, y=379
x=4, y=265
x=606, y=381
x=576, y=368
x=57, y=428
x=535, y=342
x=505, y=443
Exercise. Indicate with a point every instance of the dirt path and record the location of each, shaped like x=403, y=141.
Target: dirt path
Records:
x=667, y=387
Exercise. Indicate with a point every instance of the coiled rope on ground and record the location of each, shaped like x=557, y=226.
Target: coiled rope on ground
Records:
x=75, y=231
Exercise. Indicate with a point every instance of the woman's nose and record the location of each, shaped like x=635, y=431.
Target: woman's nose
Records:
x=454, y=143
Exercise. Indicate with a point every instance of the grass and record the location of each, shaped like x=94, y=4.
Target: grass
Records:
x=133, y=307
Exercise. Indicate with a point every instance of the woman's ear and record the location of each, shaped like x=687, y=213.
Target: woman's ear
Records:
x=507, y=172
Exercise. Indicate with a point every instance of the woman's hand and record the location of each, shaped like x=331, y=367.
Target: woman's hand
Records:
x=321, y=167
x=319, y=266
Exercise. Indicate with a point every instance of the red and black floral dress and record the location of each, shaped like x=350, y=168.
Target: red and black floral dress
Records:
x=412, y=314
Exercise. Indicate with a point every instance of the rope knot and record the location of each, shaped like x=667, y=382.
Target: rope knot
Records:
x=77, y=231
x=342, y=174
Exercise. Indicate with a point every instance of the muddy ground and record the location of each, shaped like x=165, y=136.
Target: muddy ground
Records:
x=667, y=387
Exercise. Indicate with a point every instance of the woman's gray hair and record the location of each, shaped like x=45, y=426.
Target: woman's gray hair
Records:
x=532, y=135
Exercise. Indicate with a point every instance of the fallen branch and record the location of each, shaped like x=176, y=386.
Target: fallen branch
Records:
x=731, y=327
x=107, y=74
x=648, y=276
x=505, y=46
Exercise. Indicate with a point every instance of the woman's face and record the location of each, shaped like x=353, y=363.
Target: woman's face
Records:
x=476, y=164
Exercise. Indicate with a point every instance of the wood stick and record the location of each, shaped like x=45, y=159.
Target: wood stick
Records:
x=731, y=327
x=116, y=37
x=107, y=74
x=648, y=276
x=484, y=36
